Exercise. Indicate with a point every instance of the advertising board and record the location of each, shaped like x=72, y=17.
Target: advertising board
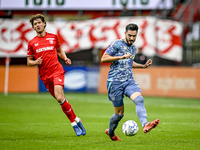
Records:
x=84, y=4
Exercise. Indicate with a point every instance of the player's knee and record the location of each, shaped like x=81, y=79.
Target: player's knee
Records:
x=118, y=116
x=121, y=116
x=59, y=99
x=139, y=100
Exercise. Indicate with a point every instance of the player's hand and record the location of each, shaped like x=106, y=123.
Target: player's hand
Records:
x=39, y=61
x=68, y=61
x=148, y=63
x=125, y=56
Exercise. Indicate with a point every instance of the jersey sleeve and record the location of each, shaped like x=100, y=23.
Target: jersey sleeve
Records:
x=30, y=52
x=112, y=48
x=58, y=45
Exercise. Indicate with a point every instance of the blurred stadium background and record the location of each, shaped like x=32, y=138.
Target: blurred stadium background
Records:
x=169, y=34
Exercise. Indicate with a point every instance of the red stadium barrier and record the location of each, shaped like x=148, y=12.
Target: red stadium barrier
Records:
x=22, y=79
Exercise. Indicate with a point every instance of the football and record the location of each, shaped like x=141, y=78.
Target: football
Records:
x=130, y=128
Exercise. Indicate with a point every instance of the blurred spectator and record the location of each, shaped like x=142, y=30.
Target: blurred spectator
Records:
x=126, y=12
x=179, y=1
x=139, y=57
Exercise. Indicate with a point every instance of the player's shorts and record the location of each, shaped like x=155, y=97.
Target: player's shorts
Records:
x=50, y=83
x=117, y=90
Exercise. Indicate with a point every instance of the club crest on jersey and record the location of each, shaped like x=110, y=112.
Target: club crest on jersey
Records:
x=50, y=40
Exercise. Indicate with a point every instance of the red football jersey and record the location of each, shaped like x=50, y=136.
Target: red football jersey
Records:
x=47, y=48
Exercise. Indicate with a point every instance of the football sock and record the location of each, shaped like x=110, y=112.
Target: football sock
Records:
x=114, y=121
x=73, y=113
x=67, y=109
x=71, y=110
x=77, y=120
x=73, y=123
x=140, y=110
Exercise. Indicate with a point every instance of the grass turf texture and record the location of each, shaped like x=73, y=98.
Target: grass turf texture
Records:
x=36, y=121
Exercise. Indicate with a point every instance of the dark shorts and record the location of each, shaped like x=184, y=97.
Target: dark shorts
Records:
x=117, y=90
x=50, y=83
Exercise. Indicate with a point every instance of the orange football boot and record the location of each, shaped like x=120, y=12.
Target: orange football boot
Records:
x=150, y=125
x=114, y=138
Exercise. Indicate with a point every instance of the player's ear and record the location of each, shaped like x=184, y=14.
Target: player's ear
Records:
x=33, y=27
x=45, y=24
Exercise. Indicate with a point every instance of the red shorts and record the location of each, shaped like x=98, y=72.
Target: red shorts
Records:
x=50, y=83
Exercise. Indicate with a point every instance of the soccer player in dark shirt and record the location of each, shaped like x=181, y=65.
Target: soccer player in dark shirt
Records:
x=120, y=80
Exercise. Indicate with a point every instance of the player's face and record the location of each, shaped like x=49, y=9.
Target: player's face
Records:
x=130, y=36
x=38, y=25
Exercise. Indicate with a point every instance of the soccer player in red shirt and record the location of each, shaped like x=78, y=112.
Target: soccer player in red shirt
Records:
x=42, y=51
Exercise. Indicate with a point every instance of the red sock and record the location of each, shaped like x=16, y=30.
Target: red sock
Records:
x=73, y=114
x=67, y=109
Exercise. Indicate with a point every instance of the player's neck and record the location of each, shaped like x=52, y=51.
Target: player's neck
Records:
x=42, y=34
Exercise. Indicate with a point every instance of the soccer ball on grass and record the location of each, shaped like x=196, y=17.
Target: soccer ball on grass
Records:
x=130, y=128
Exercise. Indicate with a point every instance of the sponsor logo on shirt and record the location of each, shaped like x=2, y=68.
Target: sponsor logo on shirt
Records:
x=44, y=49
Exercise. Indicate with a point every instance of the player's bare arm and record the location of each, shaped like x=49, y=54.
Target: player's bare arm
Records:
x=107, y=58
x=146, y=65
x=31, y=62
x=62, y=55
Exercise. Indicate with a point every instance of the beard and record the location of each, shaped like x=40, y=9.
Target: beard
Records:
x=128, y=42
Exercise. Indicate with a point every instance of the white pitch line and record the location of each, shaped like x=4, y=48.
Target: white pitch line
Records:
x=3, y=124
x=189, y=123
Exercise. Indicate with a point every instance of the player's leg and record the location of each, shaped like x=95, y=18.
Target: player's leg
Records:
x=140, y=108
x=65, y=105
x=67, y=108
x=57, y=92
x=72, y=115
x=115, y=119
x=141, y=113
x=134, y=93
x=115, y=94
x=59, y=80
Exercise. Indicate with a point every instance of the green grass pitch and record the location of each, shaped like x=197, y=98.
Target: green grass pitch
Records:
x=36, y=122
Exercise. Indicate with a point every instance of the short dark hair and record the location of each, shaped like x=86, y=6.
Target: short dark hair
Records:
x=132, y=27
x=37, y=16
